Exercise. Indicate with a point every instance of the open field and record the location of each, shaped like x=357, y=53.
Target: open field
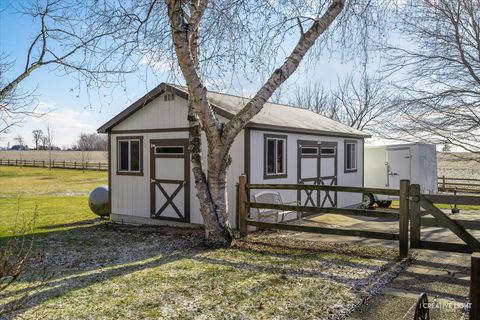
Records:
x=458, y=165
x=91, y=156
x=59, y=197
x=89, y=268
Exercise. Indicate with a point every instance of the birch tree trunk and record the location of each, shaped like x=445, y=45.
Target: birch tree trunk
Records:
x=211, y=185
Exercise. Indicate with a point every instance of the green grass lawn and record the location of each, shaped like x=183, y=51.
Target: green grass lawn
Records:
x=58, y=197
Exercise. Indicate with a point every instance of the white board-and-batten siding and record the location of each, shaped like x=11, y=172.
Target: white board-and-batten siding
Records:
x=257, y=159
x=130, y=194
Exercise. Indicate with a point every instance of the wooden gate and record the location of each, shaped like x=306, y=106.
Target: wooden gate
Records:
x=422, y=205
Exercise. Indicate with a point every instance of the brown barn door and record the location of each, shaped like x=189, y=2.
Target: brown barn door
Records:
x=170, y=180
x=328, y=173
x=308, y=171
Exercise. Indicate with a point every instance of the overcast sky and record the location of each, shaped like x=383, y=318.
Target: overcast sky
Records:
x=70, y=112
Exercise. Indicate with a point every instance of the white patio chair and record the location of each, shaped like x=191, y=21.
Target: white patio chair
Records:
x=273, y=198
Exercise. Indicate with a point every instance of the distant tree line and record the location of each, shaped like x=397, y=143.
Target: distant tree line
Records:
x=43, y=140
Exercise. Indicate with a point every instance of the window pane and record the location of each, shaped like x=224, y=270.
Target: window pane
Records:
x=350, y=156
x=280, y=158
x=135, y=155
x=328, y=151
x=309, y=151
x=270, y=156
x=169, y=150
x=354, y=158
x=123, y=152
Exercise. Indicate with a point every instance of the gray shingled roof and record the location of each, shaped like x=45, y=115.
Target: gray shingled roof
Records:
x=280, y=115
x=273, y=116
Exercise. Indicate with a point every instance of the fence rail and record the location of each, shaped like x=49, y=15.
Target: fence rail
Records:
x=62, y=164
x=303, y=211
x=462, y=185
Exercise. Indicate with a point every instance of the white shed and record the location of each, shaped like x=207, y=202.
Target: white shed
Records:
x=150, y=179
x=386, y=165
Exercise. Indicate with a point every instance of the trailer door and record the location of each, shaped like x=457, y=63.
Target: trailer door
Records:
x=399, y=166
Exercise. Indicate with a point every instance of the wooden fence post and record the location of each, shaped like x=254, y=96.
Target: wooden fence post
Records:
x=415, y=222
x=242, y=209
x=475, y=287
x=443, y=183
x=403, y=219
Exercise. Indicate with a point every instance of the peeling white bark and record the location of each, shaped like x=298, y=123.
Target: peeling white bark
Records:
x=211, y=186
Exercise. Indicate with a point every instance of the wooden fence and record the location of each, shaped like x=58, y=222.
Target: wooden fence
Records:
x=402, y=215
x=63, y=164
x=461, y=185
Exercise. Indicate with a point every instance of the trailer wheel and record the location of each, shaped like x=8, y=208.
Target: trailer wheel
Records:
x=384, y=204
x=368, y=200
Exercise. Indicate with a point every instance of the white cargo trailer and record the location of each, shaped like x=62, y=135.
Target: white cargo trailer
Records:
x=385, y=166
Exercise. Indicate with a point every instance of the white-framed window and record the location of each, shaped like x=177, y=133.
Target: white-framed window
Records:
x=275, y=156
x=129, y=155
x=350, y=156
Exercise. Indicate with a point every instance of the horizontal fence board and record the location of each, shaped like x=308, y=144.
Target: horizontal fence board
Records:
x=451, y=199
x=335, y=231
x=460, y=190
x=313, y=210
x=444, y=246
x=467, y=224
x=440, y=179
x=393, y=192
x=450, y=184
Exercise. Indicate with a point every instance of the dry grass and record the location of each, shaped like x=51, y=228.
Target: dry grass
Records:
x=458, y=165
x=109, y=272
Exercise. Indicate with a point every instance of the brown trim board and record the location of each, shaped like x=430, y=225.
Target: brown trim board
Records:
x=109, y=146
x=180, y=129
x=267, y=127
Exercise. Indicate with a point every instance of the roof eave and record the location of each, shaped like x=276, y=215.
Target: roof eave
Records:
x=266, y=127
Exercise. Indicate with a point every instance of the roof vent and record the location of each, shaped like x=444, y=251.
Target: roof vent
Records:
x=168, y=97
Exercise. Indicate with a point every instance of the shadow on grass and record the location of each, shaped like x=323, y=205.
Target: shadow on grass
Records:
x=84, y=256
x=74, y=260
x=73, y=224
